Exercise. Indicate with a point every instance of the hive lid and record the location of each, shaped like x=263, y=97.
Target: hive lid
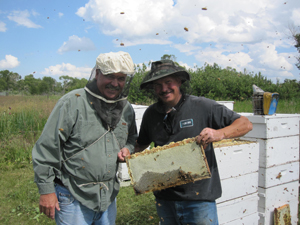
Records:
x=167, y=166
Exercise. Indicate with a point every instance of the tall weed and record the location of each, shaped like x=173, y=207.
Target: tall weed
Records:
x=22, y=119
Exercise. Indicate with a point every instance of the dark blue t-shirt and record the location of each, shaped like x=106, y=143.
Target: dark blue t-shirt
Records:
x=191, y=115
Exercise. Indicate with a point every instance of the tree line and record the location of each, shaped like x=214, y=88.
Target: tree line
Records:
x=12, y=83
x=218, y=83
x=210, y=81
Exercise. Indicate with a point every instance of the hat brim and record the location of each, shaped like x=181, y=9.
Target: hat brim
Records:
x=148, y=84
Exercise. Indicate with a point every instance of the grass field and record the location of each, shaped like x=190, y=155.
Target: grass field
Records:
x=22, y=119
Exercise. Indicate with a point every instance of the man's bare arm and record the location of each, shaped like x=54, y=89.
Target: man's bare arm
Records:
x=238, y=128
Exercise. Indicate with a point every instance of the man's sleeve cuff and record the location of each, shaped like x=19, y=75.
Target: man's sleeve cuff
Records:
x=46, y=188
x=130, y=148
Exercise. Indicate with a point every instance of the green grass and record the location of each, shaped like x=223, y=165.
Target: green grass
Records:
x=283, y=107
x=135, y=209
x=22, y=119
x=19, y=197
x=19, y=201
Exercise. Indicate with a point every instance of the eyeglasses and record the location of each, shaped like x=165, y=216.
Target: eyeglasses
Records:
x=167, y=125
x=120, y=79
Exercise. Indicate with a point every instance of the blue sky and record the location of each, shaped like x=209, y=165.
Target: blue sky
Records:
x=55, y=38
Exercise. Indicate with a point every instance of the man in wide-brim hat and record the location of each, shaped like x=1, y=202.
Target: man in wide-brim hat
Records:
x=177, y=116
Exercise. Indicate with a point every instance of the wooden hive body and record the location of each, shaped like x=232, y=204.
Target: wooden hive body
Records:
x=167, y=166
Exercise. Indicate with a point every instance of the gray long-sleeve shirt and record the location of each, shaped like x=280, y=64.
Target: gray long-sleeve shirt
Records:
x=75, y=148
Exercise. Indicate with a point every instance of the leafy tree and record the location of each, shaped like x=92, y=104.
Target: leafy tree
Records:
x=31, y=84
x=290, y=89
x=77, y=83
x=66, y=82
x=170, y=57
x=137, y=96
x=72, y=83
x=21, y=86
x=297, y=45
x=9, y=80
x=47, y=85
x=2, y=84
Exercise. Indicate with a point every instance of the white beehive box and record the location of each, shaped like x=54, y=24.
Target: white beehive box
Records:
x=243, y=156
x=273, y=126
x=238, y=167
x=267, y=218
x=251, y=219
x=228, y=104
x=139, y=112
x=278, y=175
x=278, y=136
x=239, y=186
x=237, y=209
x=277, y=151
x=274, y=197
x=122, y=173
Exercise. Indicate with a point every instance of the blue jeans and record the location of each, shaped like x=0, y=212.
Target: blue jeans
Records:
x=187, y=212
x=73, y=212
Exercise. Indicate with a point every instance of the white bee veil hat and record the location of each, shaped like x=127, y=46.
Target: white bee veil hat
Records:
x=115, y=62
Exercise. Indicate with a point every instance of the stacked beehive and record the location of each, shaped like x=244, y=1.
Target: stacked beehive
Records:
x=238, y=168
x=278, y=137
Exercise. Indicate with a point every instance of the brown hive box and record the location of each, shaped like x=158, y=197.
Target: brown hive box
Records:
x=167, y=166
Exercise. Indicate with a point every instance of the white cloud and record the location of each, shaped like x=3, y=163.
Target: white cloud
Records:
x=34, y=13
x=69, y=70
x=9, y=62
x=133, y=42
x=232, y=20
x=22, y=18
x=296, y=16
x=237, y=60
x=140, y=18
x=187, y=48
x=187, y=67
x=238, y=31
x=266, y=56
x=76, y=43
x=60, y=14
x=2, y=26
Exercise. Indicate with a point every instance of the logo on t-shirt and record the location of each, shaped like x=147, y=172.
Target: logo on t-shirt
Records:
x=186, y=123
